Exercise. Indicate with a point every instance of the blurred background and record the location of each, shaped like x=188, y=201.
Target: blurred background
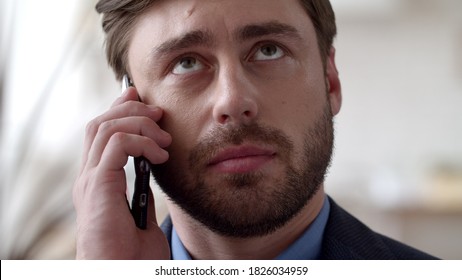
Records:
x=398, y=159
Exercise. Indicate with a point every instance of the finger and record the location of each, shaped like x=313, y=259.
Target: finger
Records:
x=122, y=145
x=152, y=219
x=129, y=108
x=153, y=234
x=130, y=94
x=130, y=125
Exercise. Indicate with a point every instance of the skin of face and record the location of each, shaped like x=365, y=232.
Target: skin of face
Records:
x=220, y=68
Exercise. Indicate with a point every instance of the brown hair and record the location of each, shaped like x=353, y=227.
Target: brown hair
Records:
x=119, y=18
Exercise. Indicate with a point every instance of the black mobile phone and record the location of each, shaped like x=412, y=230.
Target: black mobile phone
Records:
x=140, y=204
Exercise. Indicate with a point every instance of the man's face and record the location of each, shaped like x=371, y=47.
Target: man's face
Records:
x=244, y=95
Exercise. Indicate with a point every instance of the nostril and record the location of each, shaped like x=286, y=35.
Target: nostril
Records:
x=235, y=107
x=224, y=118
x=247, y=113
x=244, y=117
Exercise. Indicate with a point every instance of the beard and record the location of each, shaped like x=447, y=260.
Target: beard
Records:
x=255, y=203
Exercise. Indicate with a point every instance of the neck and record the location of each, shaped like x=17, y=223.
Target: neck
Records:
x=203, y=243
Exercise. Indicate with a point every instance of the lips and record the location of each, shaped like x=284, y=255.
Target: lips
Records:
x=241, y=159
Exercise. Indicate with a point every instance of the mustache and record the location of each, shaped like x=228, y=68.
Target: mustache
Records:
x=221, y=137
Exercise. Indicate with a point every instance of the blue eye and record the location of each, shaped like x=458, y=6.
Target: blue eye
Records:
x=187, y=65
x=268, y=52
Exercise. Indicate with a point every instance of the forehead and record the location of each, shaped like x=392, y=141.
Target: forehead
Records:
x=171, y=18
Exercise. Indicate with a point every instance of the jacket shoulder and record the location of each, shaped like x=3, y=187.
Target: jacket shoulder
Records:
x=345, y=237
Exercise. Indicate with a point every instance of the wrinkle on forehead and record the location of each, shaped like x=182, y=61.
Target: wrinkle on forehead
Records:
x=190, y=11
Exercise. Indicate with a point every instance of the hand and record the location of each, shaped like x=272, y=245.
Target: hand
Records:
x=105, y=227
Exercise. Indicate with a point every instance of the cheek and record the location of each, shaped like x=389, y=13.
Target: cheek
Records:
x=295, y=101
x=294, y=104
x=181, y=118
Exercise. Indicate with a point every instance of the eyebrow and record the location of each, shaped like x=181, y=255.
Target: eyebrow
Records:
x=185, y=41
x=268, y=28
x=197, y=38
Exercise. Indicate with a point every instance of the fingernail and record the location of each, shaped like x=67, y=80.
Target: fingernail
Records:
x=166, y=155
x=167, y=138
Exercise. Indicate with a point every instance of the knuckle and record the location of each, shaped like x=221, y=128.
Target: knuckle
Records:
x=147, y=122
x=92, y=127
x=106, y=126
x=133, y=107
x=118, y=138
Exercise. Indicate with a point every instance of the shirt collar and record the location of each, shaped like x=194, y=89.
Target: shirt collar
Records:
x=306, y=247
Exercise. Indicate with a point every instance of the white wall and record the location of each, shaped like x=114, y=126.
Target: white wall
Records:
x=399, y=133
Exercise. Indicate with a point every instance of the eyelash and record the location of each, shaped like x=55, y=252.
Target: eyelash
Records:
x=258, y=46
x=254, y=49
x=176, y=60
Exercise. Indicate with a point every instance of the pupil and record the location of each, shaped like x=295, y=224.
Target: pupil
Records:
x=188, y=62
x=268, y=50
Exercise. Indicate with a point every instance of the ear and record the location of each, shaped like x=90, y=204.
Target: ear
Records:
x=334, y=88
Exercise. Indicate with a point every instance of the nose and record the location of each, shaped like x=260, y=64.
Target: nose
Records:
x=236, y=97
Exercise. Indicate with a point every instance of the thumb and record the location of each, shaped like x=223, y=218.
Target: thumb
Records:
x=151, y=219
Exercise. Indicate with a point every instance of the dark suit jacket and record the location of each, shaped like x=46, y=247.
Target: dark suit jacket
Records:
x=346, y=238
